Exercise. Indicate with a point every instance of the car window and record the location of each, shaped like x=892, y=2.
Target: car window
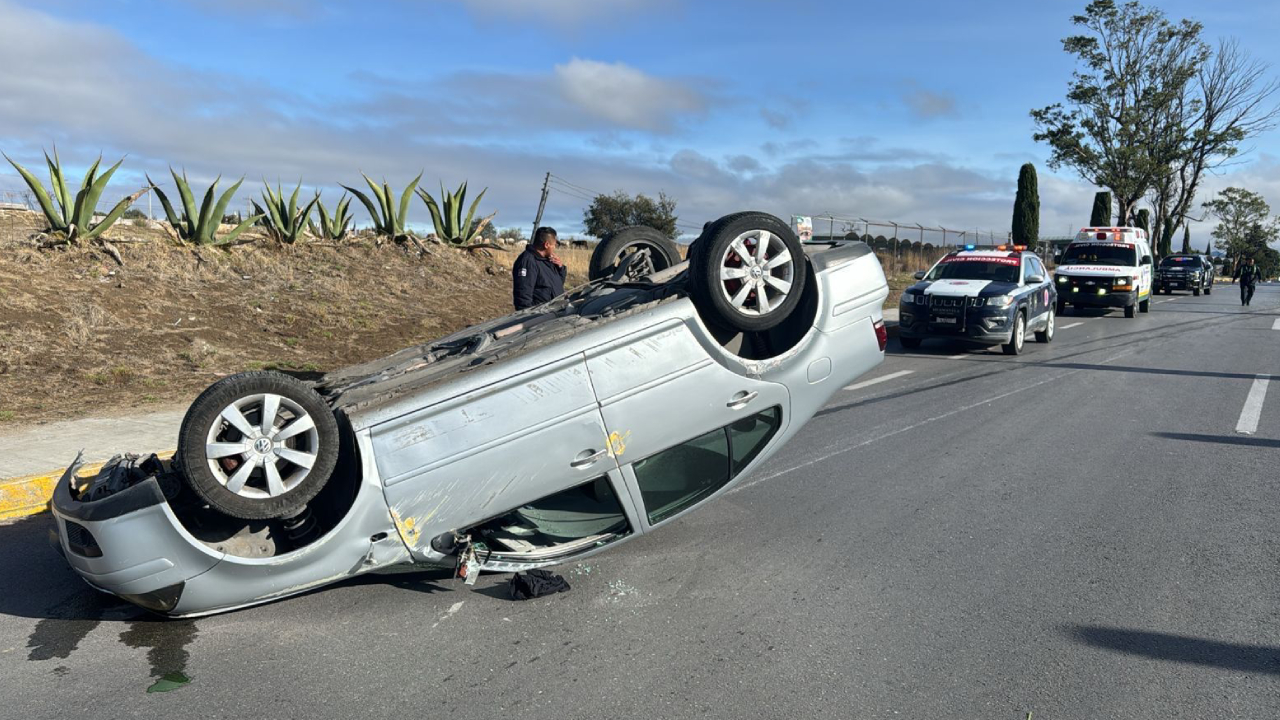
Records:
x=748, y=436
x=1035, y=268
x=1120, y=254
x=961, y=267
x=680, y=477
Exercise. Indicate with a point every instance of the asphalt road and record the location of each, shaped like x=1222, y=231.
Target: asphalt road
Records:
x=1079, y=532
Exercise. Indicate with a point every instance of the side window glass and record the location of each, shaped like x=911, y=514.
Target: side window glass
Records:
x=748, y=436
x=678, y=478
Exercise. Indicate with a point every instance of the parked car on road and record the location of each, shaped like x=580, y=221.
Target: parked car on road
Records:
x=1106, y=268
x=537, y=438
x=1184, y=271
x=985, y=297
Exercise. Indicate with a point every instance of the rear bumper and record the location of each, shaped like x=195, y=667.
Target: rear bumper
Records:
x=129, y=544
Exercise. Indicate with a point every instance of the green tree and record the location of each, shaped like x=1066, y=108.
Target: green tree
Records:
x=1239, y=212
x=1208, y=249
x=1144, y=220
x=1231, y=99
x=1132, y=64
x=610, y=213
x=1101, y=215
x=1026, y=208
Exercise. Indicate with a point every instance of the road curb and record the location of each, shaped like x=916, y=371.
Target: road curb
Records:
x=30, y=494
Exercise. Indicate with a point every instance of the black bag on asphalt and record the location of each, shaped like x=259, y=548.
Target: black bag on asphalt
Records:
x=536, y=583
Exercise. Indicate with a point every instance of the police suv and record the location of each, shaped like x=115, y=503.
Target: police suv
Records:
x=985, y=297
x=1106, y=268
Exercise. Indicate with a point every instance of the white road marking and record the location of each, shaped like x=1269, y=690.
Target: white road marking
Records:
x=869, y=383
x=1252, y=410
x=1165, y=301
x=961, y=356
x=448, y=614
x=847, y=448
x=1276, y=325
x=1068, y=327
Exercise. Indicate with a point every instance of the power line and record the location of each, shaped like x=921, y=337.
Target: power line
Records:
x=578, y=187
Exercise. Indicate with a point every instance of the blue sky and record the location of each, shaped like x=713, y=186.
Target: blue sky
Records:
x=914, y=111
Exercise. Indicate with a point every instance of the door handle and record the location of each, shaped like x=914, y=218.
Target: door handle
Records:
x=740, y=400
x=585, y=460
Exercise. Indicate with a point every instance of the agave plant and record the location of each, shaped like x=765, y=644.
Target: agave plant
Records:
x=451, y=226
x=72, y=218
x=333, y=227
x=388, y=216
x=201, y=228
x=283, y=220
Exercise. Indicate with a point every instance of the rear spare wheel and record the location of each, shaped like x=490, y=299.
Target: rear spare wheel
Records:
x=747, y=272
x=258, y=445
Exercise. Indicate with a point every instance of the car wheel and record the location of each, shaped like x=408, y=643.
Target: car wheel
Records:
x=659, y=252
x=1195, y=292
x=1014, y=346
x=1129, y=311
x=1144, y=305
x=747, y=272
x=1046, y=335
x=1061, y=307
x=909, y=343
x=258, y=445
x=1208, y=289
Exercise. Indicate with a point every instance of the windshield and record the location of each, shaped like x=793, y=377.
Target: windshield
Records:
x=1121, y=254
x=1004, y=270
x=1181, y=261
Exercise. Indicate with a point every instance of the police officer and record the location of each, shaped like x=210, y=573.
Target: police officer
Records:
x=538, y=275
x=1247, y=274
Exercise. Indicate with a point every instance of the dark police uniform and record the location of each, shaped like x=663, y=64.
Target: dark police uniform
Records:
x=535, y=279
x=1248, y=275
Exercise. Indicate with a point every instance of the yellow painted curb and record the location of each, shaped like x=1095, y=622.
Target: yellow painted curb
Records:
x=30, y=494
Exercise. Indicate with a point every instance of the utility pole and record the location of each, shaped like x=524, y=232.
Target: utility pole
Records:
x=542, y=204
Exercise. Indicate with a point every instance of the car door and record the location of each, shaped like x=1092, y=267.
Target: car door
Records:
x=492, y=449
x=1039, y=294
x=662, y=388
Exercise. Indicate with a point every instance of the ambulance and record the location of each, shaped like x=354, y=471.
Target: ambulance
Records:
x=1106, y=267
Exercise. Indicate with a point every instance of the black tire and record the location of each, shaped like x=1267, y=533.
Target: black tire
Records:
x=1019, y=338
x=255, y=501
x=1195, y=292
x=1144, y=305
x=909, y=343
x=1208, y=289
x=711, y=293
x=663, y=252
x=1046, y=335
x=1061, y=307
x=1129, y=311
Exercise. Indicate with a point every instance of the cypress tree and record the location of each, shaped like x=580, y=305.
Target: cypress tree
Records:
x=1026, y=208
x=1208, y=249
x=1101, y=216
x=1144, y=220
x=1186, y=238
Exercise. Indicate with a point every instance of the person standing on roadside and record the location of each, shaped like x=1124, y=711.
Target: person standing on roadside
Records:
x=1247, y=274
x=538, y=275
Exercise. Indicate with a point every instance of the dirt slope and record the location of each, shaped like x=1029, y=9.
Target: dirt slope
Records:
x=80, y=334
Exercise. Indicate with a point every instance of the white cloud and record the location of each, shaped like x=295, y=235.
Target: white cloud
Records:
x=626, y=96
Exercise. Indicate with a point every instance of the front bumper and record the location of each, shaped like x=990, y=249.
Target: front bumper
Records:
x=983, y=326
x=1177, y=282
x=1107, y=299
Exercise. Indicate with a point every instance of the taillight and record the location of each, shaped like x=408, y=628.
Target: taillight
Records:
x=882, y=334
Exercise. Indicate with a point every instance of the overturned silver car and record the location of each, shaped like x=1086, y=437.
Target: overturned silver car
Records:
x=537, y=438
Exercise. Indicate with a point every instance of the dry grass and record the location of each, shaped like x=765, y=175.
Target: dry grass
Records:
x=79, y=333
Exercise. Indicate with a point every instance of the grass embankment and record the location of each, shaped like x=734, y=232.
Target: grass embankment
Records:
x=81, y=334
